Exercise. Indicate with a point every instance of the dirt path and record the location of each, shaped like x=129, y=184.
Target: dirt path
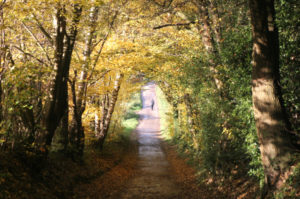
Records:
x=150, y=168
x=153, y=179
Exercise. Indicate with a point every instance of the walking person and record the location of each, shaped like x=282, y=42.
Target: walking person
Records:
x=152, y=104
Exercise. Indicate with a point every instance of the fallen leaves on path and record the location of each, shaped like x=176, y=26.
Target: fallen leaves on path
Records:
x=117, y=174
x=185, y=175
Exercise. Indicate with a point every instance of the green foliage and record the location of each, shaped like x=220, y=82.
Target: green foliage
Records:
x=291, y=189
x=130, y=119
x=225, y=134
x=289, y=39
x=165, y=112
x=23, y=103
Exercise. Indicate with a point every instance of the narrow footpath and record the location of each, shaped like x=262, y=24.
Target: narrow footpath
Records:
x=152, y=169
x=153, y=179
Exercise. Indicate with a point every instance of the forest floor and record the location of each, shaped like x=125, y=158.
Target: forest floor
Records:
x=143, y=166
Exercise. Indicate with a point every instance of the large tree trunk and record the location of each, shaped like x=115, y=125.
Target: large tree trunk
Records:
x=76, y=136
x=271, y=122
x=63, y=131
x=101, y=135
x=64, y=45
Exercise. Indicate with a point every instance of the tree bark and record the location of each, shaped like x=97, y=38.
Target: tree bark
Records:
x=271, y=122
x=76, y=128
x=3, y=48
x=216, y=23
x=90, y=36
x=6, y=61
x=101, y=135
x=208, y=40
x=76, y=134
x=64, y=45
x=104, y=111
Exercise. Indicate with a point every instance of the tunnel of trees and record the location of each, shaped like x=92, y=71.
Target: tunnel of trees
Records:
x=229, y=70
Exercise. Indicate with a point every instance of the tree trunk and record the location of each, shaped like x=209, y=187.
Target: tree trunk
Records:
x=96, y=123
x=191, y=119
x=87, y=56
x=106, y=120
x=76, y=129
x=6, y=61
x=2, y=58
x=271, y=122
x=62, y=133
x=216, y=23
x=64, y=45
x=206, y=31
x=208, y=40
x=104, y=111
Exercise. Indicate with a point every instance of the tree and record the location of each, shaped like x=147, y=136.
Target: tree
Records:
x=108, y=105
x=3, y=55
x=270, y=117
x=76, y=128
x=87, y=69
x=64, y=44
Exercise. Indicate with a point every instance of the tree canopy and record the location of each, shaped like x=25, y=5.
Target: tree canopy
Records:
x=229, y=71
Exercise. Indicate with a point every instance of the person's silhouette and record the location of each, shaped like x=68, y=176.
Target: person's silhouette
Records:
x=152, y=104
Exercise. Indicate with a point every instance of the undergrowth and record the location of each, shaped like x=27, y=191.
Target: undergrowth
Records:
x=23, y=175
x=215, y=168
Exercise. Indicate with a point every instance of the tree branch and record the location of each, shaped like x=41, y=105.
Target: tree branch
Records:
x=30, y=55
x=2, y=4
x=111, y=24
x=37, y=41
x=173, y=24
x=40, y=26
x=100, y=77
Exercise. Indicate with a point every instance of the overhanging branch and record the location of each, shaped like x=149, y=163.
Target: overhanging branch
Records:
x=30, y=55
x=37, y=41
x=41, y=27
x=173, y=24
